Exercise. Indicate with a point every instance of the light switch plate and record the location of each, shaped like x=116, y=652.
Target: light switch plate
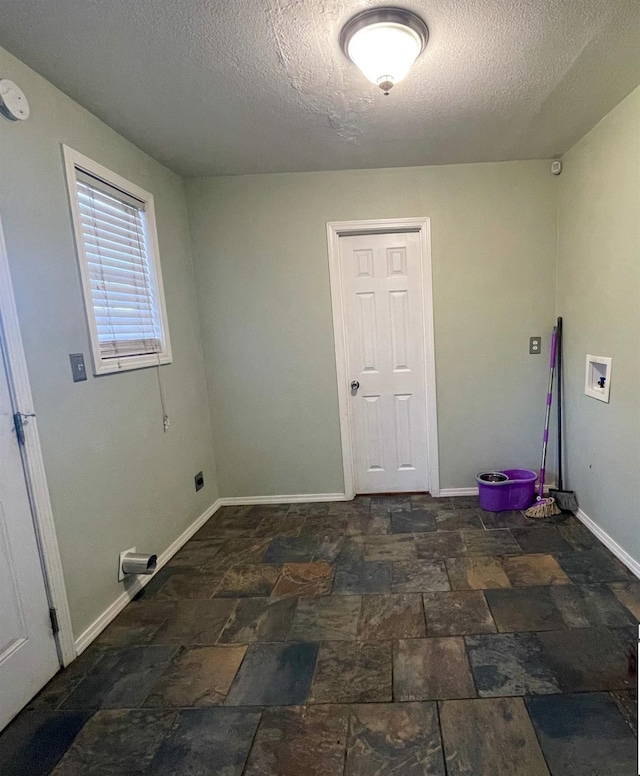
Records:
x=535, y=346
x=78, y=369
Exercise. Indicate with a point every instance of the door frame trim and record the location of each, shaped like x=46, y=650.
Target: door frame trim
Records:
x=32, y=461
x=335, y=230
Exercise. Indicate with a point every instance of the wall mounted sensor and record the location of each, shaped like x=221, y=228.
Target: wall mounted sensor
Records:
x=13, y=104
x=556, y=167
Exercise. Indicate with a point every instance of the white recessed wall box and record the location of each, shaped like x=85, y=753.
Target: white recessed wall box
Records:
x=13, y=104
x=597, y=379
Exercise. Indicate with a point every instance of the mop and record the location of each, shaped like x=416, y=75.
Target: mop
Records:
x=565, y=499
x=546, y=507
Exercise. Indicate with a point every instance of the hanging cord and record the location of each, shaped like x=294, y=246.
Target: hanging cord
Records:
x=165, y=417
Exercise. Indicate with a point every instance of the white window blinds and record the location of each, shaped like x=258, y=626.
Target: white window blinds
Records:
x=125, y=303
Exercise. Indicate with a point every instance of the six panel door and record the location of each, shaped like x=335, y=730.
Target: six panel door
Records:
x=385, y=331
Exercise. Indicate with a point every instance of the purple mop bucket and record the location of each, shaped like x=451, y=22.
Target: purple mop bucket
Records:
x=515, y=491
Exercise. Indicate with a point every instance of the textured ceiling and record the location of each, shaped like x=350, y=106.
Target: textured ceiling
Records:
x=261, y=85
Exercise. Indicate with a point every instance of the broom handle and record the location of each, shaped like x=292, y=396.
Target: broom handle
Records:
x=559, y=391
x=545, y=436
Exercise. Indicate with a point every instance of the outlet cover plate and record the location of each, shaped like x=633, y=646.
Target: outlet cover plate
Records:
x=535, y=346
x=121, y=574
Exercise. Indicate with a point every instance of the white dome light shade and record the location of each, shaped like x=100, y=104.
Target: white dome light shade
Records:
x=384, y=44
x=384, y=52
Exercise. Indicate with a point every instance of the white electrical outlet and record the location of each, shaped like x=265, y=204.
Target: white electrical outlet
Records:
x=121, y=574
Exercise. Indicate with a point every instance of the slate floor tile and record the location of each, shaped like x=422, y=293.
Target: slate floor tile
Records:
x=490, y=737
x=398, y=616
x=274, y=675
x=302, y=741
x=232, y=523
x=368, y=524
x=587, y=659
x=250, y=580
x=324, y=526
x=416, y=521
x=458, y=520
x=628, y=593
x=309, y=508
x=235, y=552
x=355, y=672
x=117, y=742
x=465, y=502
x=398, y=739
x=121, y=679
x=358, y=504
x=458, y=613
x=510, y=664
x=34, y=742
x=393, y=547
x=259, y=619
x=197, y=676
x=431, y=669
x=582, y=606
x=195, y=622
x=273, y=526
x=591, y=566
x=438, y=546
x=583, y=734
x=427, y=501
x=138, y=623
x=398, y=503
x=339, y=549
x=207, y=741
x=190, y=586
x=579, y=537
x=627, y=703
x=541, y=540
x=362, y=577
x=195, y=555
x=52, y=695
x=417, y=576
x=534, y=570
x=477, y=573
x=304, y=579
x=525, y=609
x=268, y=510
x=497, y=541
x=512, y=518
x=327, y=618
x=296, y=549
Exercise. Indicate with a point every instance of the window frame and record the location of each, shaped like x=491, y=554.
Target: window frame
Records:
x=73, y=160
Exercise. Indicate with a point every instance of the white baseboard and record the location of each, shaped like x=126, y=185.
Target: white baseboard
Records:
x=295, y=499
x=622, y=555
x=446, y=492
x=111, y=612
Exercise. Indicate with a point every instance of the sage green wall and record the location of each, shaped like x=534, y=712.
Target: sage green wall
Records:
x=599, y=299
x=116, y=479
x=260, y=255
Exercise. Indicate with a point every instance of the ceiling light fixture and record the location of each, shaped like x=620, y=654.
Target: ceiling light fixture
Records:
x=384, y=43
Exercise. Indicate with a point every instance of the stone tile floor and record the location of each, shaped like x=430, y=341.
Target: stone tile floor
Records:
x=387, y=636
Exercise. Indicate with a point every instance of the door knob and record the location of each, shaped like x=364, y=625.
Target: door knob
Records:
x=355, y=385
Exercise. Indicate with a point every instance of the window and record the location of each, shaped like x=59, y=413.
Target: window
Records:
x=117, y=249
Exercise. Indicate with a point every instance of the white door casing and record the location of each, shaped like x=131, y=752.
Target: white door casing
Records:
x=383, y=326
x=28, y=651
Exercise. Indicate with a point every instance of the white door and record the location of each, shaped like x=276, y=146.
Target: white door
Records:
x=382, y=285
x=28, y=654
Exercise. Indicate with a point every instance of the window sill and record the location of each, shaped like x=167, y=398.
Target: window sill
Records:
x=127, y=363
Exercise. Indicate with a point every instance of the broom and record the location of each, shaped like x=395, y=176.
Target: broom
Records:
x=546, y=507
x=565, y=499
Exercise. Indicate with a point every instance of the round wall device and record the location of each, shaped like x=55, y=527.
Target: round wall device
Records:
x=13, y=104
